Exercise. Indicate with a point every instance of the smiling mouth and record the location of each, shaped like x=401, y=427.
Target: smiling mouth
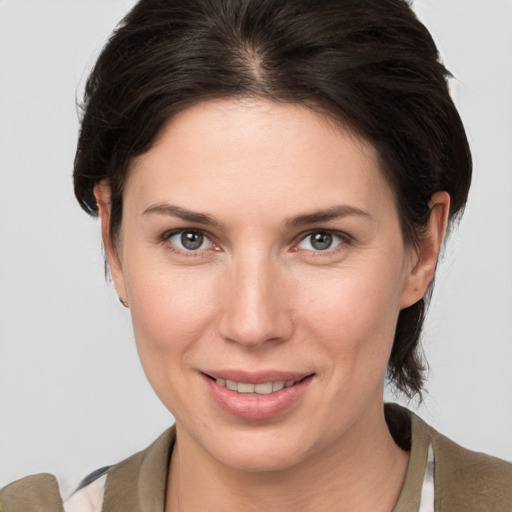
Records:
x=256, y=396
x=263, y=388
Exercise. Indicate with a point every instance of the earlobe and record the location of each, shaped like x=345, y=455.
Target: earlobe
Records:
x=102, y=194
x=423, y=265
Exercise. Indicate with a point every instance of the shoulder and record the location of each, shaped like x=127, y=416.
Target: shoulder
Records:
x=476, y=479
x=464, y=479
x=36, y=492
x=41, y=492
x=141, y=478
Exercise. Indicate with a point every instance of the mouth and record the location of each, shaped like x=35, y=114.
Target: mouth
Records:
x=257, y=396
x=264, y=388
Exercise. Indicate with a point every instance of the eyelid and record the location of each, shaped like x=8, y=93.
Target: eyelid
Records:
x=167, y=235
x=344, y=239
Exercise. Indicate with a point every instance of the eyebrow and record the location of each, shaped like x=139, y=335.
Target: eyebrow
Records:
x=184, y=214
x=334, y=212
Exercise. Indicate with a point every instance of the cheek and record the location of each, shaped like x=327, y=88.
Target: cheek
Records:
x=354, y=312
x=355, y=297
x=171, y=311
x=172, y=315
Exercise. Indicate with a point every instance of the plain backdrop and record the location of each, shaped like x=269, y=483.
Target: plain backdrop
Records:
x=72, y=394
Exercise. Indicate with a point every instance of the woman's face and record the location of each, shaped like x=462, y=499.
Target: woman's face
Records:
x=260, y=247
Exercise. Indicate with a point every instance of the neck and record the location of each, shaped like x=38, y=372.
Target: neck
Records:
x=364, y=471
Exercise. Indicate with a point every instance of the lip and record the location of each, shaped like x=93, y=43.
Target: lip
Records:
x=254, y=406
x=259, y=377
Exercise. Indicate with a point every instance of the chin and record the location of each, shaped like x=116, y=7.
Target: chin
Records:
x=269, y=451
x=258, y=460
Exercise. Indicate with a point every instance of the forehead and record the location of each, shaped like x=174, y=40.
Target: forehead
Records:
x=257, y=154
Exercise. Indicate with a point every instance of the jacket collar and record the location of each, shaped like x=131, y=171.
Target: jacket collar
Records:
x=139, y=483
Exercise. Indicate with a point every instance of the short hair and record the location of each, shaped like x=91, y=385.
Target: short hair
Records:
x=370, y=65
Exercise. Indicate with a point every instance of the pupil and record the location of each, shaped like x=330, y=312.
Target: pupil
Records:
x=191, y=240
x=321, y=241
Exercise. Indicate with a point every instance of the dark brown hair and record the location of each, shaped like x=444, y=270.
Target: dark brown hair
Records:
x=368, y=64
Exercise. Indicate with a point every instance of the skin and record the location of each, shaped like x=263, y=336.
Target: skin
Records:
x=258, y=295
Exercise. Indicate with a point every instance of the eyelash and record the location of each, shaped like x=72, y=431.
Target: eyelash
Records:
x=166, y=238
x=344, y=240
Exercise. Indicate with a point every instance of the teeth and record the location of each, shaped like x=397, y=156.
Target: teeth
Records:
x=260, y=389
x=233, y=386
x=277, y=386
x=246, y=388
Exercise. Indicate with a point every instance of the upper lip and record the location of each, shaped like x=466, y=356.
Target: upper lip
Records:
x=258, y=377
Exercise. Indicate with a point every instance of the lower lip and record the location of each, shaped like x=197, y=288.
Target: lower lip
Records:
x=252, y=406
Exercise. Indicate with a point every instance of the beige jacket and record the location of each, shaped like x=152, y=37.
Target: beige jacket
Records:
x=464, y=481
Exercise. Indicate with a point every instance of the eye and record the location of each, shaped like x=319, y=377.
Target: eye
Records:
x=320, y=241
x=189, y=240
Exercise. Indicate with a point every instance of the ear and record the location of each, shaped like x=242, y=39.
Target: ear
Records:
x=424, y=258
x=102, y=194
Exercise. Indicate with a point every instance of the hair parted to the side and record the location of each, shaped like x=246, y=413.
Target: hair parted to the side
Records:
x=368, y=64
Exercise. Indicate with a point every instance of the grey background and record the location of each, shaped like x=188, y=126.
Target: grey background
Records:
x=72, y=395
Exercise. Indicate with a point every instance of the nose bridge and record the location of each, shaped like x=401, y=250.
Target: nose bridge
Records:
x=253, y=310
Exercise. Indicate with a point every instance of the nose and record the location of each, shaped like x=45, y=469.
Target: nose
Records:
x=256, y=308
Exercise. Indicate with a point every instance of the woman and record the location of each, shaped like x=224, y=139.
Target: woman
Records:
x=274, y=180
